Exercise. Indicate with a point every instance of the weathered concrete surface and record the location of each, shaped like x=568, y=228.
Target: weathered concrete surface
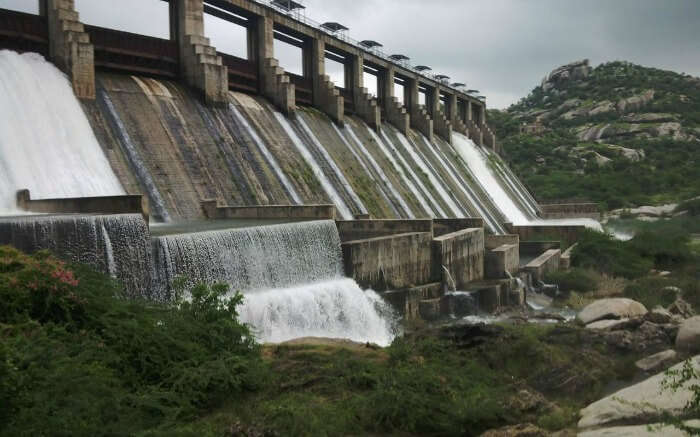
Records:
x=640, y=403
x=498, y=261
x=565, y=262
x=537, y=247
x=393, y=262
x=350, y=230
x=311, y=212
x=326, y=97
x=133, y=204
x=274, y=83
x=688, y=338
x=613, y=308
x=494, y=241
x=462, y=255
x=442, y=126
x=570, y=210
x=532, y=232
x=407, y=301
x=492, y=295
x=543, y=264
x=201, y=67
x=70, y=48
x=449, y=225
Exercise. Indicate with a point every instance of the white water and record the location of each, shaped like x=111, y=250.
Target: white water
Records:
x=331, y=163
x=332, y=309
x=428, y=169
x=46, y=142
x=271, y=161
x=436, y=206
x=525, y=200
x=464, y=187
x=309, y=158
x=475, y=159
x=377, y=168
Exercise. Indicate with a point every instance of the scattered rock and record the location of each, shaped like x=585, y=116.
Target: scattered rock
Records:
x=613, y=308
x=657, y=362
x=602, y=108
x=638, y=404
x=600, y=159
x=522, y=430
x=659, y=315
x=606, y=324
x=635, y=103
x=688, y=339
x=631, y=154
x=649, y=118
x=681, y=308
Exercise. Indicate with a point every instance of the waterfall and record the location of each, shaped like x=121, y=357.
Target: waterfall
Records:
x=333, y=166
x=385, y=180
x=46, y=142
x=431, y=173
x=311, y=161
x=476, y=160
x=117, y=245
x=291, y=277
x=271, y=161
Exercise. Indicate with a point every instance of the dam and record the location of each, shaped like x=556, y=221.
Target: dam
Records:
x=333, y=208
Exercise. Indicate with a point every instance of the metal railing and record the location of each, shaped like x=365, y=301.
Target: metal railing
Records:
x=343, y=36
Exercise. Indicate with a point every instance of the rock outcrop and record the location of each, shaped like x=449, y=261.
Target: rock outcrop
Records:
x=688, y=339
x=574, y=71
x=614, y=308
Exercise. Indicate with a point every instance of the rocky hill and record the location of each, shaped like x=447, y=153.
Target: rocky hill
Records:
x=620, y=133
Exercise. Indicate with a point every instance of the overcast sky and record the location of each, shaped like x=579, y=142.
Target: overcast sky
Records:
x=501, y=47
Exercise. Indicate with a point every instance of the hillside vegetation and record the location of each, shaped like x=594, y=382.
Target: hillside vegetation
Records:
x=620, y=134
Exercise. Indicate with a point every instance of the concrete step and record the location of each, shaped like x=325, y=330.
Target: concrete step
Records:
x=206, y=50
x=68, y=15
x=272, y=62
x=72, y=26
x=79, y=37
x=197, y=39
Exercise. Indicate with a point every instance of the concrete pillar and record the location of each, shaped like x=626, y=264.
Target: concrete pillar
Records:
x=387, y=86
x=365, y=104
x=432, y=101
x=482, y=116
x=394, y=111
x=201, y=67
x=326, y=96
x=69, y=46
x=451, y=108
x=420, y=119
x=469, y=111
x=273, y=82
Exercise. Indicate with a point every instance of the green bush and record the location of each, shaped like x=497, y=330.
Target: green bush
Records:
x=603, y=253
x=648, y=291
x=573, y=280
x=692, y=206
x=87, y=362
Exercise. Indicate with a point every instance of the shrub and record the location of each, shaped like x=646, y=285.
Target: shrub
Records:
x=692, y=206
x=605, y=254
x=573, y=280
x=648, y=291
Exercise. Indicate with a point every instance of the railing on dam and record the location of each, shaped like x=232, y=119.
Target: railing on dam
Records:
x=118, y=50
x=23, y=32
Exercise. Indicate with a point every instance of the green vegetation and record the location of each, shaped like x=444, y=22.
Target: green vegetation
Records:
x=573, y=280
x=559, y=164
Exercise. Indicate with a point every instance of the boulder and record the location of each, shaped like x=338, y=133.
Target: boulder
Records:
x=522, y=430
x=613, y=308
x=681, y=308
x=651, y=430
x=657, y=362
x=659, y=315
x=649, y=118
x=602, y=108
x=635, y=103
x=688, y=338
x=606, y=324
x=631, y=154
x=640, y=403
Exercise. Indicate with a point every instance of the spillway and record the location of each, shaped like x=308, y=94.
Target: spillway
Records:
x=46, y=142
x=290, y=275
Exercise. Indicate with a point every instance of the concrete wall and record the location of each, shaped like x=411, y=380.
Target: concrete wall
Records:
x=326, y=96
x=565, y=262
x=362, y=229
x=502, y=259
x=133, y=204
x=543, y=264
x=544, y=232
x=386, y=263
x=450, y=225
x=570, y=210
x=538, y=247
x=494, y=241
x=407, y=301
x=442, y=126
x=311, y=212
x=462, y=255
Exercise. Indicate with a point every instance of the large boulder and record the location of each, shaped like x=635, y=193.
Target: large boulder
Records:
x=613, y=308
x=681, y=308
x=657, y=362
x=574, y=71
x=688, y=338
x=652, y=430
x=641, y=403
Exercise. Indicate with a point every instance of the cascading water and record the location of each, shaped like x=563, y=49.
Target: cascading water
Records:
x=385, y=180
x=46, y=142
x=290, y=275
x=309, y=158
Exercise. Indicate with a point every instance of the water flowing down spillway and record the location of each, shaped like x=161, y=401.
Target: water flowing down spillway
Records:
x=290, y=275
x=46, y=142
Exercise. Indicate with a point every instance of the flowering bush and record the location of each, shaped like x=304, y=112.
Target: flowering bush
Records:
x=39, y=287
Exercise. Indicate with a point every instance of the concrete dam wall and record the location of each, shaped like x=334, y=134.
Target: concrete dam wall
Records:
x=161, y=141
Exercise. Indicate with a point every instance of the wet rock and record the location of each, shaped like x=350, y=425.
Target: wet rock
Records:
x=638, y=404
x=522, y=430
x=681, y=308
x=613, y=308
x=658, y=361
x=688, y=339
